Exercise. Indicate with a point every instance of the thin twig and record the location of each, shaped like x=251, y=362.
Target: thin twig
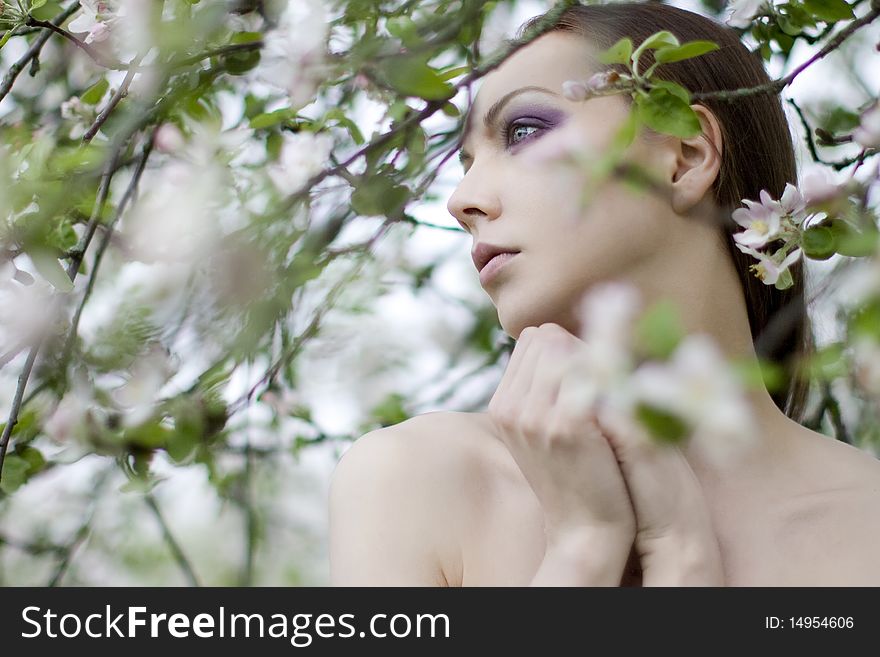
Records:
x=32, y=52
x=113, y=102
x=230, y=49
x=96, y=56
x=103, y=244
x=251, y=526
x=173, y=545
x=431, y=107
x=72, y=271
x=776, y=86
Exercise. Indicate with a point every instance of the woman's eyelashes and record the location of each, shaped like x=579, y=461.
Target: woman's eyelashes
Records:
x=521, y=131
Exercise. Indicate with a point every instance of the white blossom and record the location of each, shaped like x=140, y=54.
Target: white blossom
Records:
x=95, y=18
x=606, y=314
x=146, y=377
x=769, y=268
x=294, y=54
x=302, y=156
x=697, y=386
x=741, y=13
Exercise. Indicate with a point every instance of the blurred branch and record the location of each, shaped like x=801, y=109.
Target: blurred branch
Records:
x=776, y=86
x=72, y=270
x=82, y=533
x=105, y=241
x=113, y=102
x=251, y=526
x=173, y=545
x=811, y=145
x=33, y=52
x=431, y=107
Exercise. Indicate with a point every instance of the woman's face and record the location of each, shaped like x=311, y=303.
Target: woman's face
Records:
x=508, y=199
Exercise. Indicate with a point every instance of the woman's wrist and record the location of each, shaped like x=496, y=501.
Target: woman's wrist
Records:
x=584, y=556
x=682, y=559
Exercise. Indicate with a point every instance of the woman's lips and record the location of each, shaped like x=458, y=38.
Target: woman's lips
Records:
x=487, y=273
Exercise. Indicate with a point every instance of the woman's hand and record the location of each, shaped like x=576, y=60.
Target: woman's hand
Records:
x=558, y=447
x=675, y=539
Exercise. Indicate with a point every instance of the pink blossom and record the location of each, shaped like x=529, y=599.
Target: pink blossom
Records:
x=768, y=269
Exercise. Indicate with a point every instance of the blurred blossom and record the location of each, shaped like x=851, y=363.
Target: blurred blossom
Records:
x=577, y=91
x=169, y=139
x=816, y=187
x=606, y=313
x=303, y=154
x=697, y=386
x=867, y=134
x=123, y=25
x=741, y=13
x=25, y=312
x=174, y=220
x=95, y=18
x=81, y=115
x=146, y=378
x=72, y=419
x=294, y=54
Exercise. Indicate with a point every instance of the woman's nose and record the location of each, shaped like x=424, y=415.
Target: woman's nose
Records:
x=472, y=201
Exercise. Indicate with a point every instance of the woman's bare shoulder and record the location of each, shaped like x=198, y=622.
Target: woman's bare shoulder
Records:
x=408, y=486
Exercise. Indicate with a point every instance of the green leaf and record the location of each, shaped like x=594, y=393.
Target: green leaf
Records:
x=94, y=94
x=674, y=88
x=50, y=269
x=663, y=425
x=269, y=119
x=826, y=363
x=447, y=75
x=784, y=281
x=818, y=242
x=829, y=10
x=619, y=53
x=15, y=471
x=658, y=331
x=662, y=39
x=758, y=373
x=851, y=242
x=684, y=51
x=410, y=75
x=667, y=113
x=865, y=321
x=379, y=195
x=390, y=411
x=36, y=4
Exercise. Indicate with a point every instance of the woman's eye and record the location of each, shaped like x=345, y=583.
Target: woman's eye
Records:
x=520, y=130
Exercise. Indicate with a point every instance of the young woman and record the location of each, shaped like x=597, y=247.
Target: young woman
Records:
x=535, y=493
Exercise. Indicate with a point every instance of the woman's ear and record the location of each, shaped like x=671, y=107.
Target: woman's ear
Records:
x=697, y=163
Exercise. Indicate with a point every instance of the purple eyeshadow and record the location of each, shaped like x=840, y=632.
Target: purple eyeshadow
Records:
x=540, y=112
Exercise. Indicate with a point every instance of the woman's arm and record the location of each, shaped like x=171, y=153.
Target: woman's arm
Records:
x=388, y=525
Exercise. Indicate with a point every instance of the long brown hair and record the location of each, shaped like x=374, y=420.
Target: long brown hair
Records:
x=757, y=154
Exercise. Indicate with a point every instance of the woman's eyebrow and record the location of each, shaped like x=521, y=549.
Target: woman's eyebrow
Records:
x=495, y=110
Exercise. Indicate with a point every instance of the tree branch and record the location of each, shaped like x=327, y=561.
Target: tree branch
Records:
x=778, y=85
x=173, y=545
x=96, y=56
x=33, y=52
x=114, y=101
